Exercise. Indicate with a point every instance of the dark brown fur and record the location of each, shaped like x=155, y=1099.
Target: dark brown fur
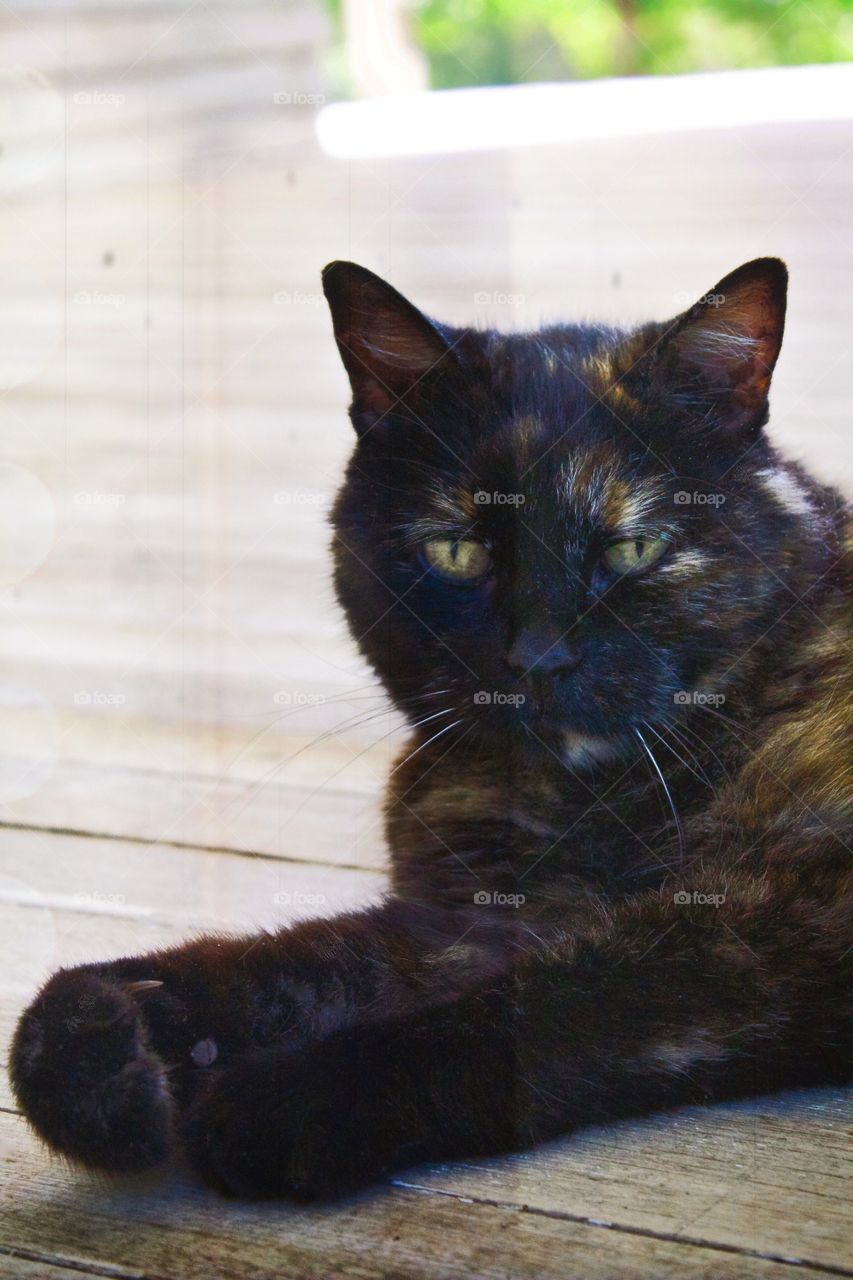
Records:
x=608, y=893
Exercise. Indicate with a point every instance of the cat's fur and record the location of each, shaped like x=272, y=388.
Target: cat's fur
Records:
x=620, y=833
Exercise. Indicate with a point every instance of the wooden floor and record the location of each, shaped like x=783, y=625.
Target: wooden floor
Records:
x=189, y=738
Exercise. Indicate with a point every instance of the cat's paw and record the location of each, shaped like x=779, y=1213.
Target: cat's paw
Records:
x=282, y=1124
x=85, y=1077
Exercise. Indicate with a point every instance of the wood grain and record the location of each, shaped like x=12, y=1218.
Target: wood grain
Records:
x=179, y=1232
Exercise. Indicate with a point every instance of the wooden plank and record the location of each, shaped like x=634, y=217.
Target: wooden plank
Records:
x=186, y=887
x=717, y=1173
x=17, y=1266
x=174, y=1229
x=256, y=815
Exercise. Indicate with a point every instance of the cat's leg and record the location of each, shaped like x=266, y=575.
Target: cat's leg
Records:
x=669, y=1003
x=107, y=1054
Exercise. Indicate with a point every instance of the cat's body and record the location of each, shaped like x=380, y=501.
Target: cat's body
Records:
x=620, y=834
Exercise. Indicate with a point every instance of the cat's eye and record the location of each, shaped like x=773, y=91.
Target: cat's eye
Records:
x=634, y=554
x=456, y=559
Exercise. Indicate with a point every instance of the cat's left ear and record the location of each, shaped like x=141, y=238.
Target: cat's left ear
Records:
x=717, y=358
x=389, y=349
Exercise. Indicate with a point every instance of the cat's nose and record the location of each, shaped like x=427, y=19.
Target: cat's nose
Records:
x=538, y=653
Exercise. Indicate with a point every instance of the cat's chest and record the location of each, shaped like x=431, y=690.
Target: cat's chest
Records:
x=518, y=831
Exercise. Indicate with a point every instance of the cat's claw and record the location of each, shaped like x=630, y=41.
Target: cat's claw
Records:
x=85, y=1077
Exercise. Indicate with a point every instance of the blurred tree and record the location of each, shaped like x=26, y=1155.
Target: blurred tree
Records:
x=470, y=42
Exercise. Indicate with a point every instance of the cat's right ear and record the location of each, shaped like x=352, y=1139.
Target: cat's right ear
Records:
x=388, y=347
x=717, y=358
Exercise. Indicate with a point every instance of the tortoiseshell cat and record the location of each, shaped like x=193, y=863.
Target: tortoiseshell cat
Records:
x=617, y=622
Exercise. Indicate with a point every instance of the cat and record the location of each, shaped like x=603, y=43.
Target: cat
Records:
x=618, y=623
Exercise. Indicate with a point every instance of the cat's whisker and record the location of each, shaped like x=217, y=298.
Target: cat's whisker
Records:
x=346, y=726
x=666, y=789
x=369, y=747
x=684, y=731
x=362, y=694
x=445, y=711
x=671, y=730
x=730, y=723
x=445, y=729
x=703, y=777
x=284, y=715
x=681, y=736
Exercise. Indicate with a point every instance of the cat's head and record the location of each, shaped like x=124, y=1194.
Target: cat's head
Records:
x=563, y=534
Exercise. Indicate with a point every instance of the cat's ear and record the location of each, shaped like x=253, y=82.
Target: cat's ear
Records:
x=388, y=347
x=717, y=358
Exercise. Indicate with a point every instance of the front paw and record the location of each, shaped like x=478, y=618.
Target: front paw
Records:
x=309, y=1125
x=85, y=1077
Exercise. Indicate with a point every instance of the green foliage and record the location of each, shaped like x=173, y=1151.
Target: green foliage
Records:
x=469, y=42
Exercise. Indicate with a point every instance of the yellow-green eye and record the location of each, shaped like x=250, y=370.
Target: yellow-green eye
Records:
x=634, y=554
x=457, y=559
